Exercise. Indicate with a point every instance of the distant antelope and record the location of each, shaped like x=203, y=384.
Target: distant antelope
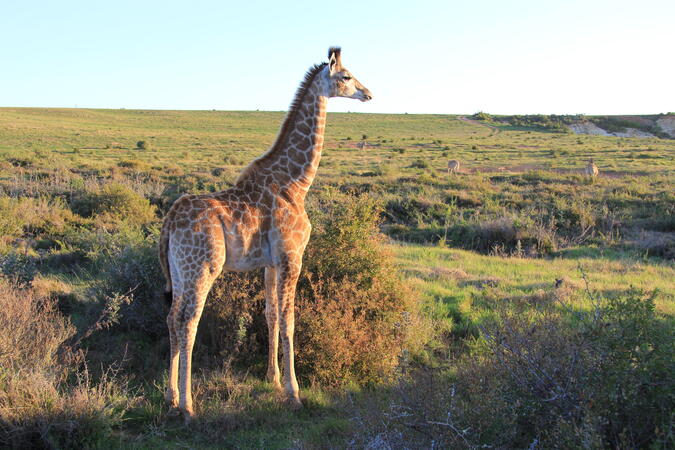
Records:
x=453, y=166
x=361, y=145
x=591, y=169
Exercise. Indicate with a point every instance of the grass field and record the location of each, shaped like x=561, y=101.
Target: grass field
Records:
x=519, y=229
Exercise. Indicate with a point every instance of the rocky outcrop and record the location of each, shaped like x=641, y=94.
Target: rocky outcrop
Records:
x=667, y=125
x=633, y=132
x=588, y=127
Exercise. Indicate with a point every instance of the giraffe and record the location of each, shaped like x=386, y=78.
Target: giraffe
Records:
x=259, y=222
x=453, y=166
x=591, y=169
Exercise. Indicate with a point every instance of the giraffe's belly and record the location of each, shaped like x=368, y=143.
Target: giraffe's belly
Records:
x=246, y=252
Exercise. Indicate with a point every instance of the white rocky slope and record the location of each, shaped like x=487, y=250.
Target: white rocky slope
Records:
x=666, y=124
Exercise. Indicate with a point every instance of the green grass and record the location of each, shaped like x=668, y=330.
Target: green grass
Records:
x=449, y=278
x=199, y=140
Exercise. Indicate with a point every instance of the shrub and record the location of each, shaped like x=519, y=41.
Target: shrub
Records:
x=420, y=164
x=544, y=374
x=481, y=116
x=354, y=315
x=143, y=145
x=134, y=164
x=117, y=202
x=126, y=262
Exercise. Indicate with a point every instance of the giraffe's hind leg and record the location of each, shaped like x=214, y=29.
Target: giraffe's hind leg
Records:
x=171, y=395
x=192, y=274
x=185, y=322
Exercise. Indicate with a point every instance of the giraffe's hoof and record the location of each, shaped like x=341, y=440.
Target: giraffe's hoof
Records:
x=188, y=415
x=171, y=399
x=294, y=403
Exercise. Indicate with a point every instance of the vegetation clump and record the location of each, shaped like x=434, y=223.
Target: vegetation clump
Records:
x=543, y=373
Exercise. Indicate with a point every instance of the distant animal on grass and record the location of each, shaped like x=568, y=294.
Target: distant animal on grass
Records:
x=591, y=170
x=259, y=222
x=453, y=166
x=361, y=145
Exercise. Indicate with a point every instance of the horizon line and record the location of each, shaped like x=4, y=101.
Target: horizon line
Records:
x=337, y=112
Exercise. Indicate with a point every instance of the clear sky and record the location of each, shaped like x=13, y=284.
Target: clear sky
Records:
x=416, y=56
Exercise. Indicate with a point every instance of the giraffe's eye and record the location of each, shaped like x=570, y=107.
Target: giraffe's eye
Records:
x=346, y=78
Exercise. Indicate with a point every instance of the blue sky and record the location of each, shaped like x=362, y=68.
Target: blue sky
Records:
x=515, y=57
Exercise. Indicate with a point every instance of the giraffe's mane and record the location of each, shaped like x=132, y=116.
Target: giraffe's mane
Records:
x=290, y=117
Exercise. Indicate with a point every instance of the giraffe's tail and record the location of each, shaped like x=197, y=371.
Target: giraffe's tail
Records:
x=164, y=262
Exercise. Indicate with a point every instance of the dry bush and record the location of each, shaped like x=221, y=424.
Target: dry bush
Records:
x=33, y=216
x=38, y=412
x=38, y=408
x=349, y=334
x=653, y=243
x=33, y=330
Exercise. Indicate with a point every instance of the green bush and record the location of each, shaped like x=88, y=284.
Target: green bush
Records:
x=115, y=202
x=482, y=116
x=125, y=260
x=143, y=145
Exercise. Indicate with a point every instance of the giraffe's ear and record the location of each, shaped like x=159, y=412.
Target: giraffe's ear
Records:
x=334, y=61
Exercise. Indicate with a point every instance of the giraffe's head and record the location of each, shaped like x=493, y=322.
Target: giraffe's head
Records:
x=341, y=83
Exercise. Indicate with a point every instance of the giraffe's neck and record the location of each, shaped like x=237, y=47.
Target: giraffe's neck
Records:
x=293, y=160
x=301, y=146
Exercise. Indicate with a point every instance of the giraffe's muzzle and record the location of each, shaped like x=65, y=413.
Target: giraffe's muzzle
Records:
x=365, y=95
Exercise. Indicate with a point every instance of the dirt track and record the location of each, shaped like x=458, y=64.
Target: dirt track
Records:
x=495, y=130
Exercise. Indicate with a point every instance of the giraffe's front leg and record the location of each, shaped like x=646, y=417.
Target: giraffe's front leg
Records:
x=272, y=316
x=287, y=278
